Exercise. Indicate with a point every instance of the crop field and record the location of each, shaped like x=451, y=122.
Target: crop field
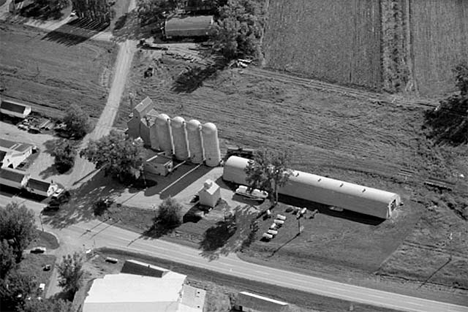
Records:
x=440, y=41
x=337, y=41
x=51, y=76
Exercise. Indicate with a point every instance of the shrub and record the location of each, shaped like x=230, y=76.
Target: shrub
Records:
x=169, y=214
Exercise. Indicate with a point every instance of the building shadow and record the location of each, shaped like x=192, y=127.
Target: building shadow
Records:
x=325, y=209
x=179, y=185
x=76, y=31
x=193, y=78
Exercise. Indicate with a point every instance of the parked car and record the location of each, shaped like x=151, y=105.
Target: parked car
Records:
x=254, y=194
x=38, y=250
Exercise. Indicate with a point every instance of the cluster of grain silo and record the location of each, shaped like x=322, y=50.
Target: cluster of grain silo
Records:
x=358, y=198
x=185, y=140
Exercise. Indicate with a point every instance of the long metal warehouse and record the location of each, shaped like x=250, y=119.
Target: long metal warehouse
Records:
x=349, y=196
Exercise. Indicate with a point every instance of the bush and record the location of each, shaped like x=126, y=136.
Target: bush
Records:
x=65, y=154
x=169, y=214
x=77, y=121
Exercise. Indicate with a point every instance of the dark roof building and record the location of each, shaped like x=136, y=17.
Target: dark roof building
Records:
x=13, y=177
x=15, y=109
x=188, y=26
x=38, y=185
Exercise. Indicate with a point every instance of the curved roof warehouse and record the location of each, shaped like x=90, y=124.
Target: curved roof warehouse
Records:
x=349, y=196
x=188, y=26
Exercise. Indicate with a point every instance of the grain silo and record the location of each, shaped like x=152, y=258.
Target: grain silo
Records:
x=179, y=138
x=211, y=144
x=195, y=141
x=163, y=129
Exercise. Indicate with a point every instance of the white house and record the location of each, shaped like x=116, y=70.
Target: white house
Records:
x=209, y=194
x=14, y=178
x=14, y=109
x=12, y=154
x=41, y=187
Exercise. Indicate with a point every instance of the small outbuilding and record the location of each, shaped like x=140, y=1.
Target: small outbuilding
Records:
x=14, y=178
x=250, y=302
x=209, y=194
x=159, y=165
x=14, y=109
x=188, y=26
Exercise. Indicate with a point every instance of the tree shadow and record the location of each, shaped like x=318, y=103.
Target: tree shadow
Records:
x=228, y=235
x=82, y=202
x=193, y=78
x=76, y=31
x=127, y=27
x=448, y=123
x=49, y=147
x=40, y=12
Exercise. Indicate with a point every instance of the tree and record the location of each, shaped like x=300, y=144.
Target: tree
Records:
x=71, y=273
x=77, y=122
x=268, y=171
x=238, y=30
x=64, y=154
x=15, y=289
x=169, y=213
x=7, y=258
x=47, y=305
x=96, y=10
x=119, y=155
x=17, y=227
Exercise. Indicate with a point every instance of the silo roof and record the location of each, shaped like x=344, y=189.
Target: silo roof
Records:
x=209, y=127
x=162, y=119
x=177, y=121
x=193, y=125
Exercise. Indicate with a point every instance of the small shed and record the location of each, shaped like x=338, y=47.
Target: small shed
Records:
x=188, y=26
x=14, y=178
x=41, y=187
x=209, y=194
x=14, y=109
x=159, y=165
x=250, y=302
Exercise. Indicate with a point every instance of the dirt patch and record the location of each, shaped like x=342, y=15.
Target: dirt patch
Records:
x=52, y=76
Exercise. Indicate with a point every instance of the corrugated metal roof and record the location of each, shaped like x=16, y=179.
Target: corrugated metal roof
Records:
x=38, y=185
x=188, y=26
x=143, y=105
x=13, y=175
x=13, y=106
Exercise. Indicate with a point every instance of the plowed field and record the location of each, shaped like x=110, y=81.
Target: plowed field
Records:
x=440, y=41
x=337, y=40
x=51, y=76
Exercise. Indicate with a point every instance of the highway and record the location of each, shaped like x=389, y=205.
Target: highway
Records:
x=96, y=234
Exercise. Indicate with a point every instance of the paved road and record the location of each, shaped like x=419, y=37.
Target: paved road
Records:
x=98, y=234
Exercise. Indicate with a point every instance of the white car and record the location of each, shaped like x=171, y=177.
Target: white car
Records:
x=254, y=194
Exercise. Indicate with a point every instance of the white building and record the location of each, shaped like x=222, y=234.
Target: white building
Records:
x=209, y=194
x=128, y=292
x=159, y=165
x=349, y=196
x=12, y=154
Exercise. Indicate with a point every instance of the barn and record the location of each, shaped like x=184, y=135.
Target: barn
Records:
x=14, y=109
x=349, y=196
x=14, y=178
x=188, y=26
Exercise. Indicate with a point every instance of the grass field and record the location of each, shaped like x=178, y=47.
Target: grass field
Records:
x=33, y=264
x=440, y=41
x=51, y=76
x=337, y=41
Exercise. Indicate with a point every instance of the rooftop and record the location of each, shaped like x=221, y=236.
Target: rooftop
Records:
x=13, y=174
x=13, y=106
x=6, y=145
x=188, y=25
x=38, y=184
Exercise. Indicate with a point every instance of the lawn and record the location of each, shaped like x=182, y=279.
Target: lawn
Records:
x=435, y=50
x=46, y=240
x=337, y=41
x=33, y=264
x=51, y=76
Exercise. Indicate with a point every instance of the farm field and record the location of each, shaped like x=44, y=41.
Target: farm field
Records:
x=337, y=41
x=439, y=42
x=373, y=143
x=51, y=76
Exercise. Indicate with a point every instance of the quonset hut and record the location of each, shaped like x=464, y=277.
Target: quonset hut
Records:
x=349, y=196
